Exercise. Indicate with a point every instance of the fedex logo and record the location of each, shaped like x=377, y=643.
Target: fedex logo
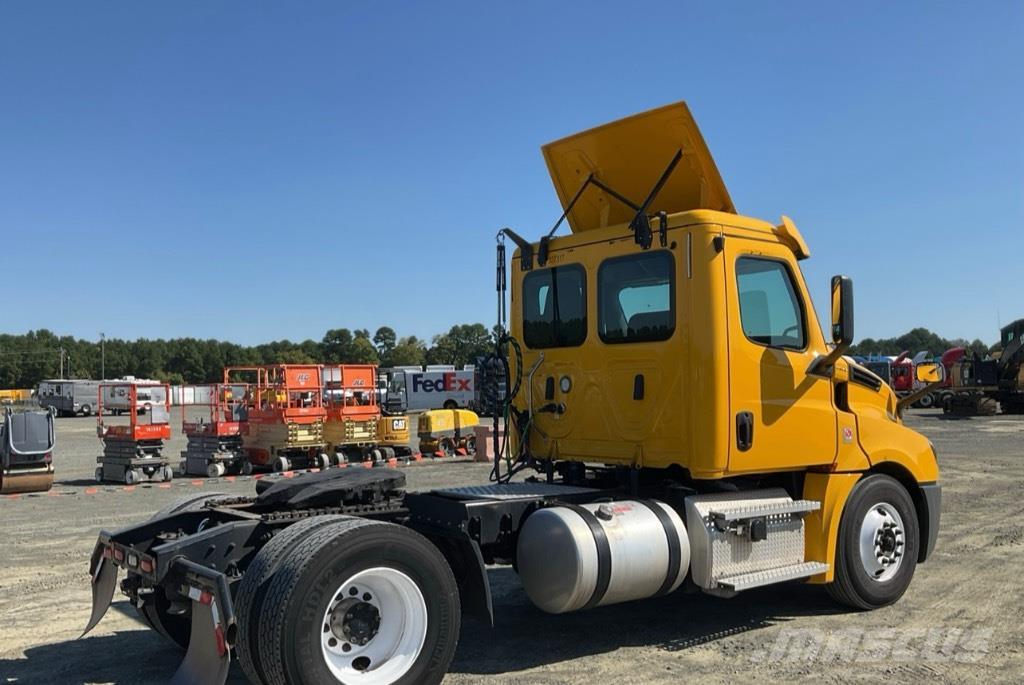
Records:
x=447, y=383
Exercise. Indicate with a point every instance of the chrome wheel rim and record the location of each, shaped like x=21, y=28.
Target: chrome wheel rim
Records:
x=882, y=542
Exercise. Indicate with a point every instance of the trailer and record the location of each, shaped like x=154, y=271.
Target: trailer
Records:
x=133, y=452
x=678, y=421
x=68, y=397
x=214, y=445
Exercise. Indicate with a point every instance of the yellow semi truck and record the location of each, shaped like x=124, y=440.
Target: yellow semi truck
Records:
x=677, y=421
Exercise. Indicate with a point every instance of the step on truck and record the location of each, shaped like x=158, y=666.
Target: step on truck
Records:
x=677, y=422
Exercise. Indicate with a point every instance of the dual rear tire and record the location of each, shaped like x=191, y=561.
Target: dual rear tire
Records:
x=335, y=599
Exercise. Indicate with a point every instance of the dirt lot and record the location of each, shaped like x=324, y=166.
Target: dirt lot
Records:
x=959, y=622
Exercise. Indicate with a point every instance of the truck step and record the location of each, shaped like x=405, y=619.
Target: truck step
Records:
x=746, y=581
x=749, y=510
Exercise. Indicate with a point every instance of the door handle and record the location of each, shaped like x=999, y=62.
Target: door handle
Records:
x=744, y=430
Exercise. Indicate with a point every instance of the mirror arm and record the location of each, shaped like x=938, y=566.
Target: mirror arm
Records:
x=823, y=366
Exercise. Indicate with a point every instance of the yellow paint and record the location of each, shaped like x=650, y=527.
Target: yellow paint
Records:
x=393, y=431
x=821, y=528
x=15, y=396
x=437, y=422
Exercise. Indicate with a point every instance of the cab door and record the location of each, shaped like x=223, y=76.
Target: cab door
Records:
x=781, y=417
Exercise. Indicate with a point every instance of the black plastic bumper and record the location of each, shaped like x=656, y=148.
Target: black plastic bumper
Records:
x=931, y=500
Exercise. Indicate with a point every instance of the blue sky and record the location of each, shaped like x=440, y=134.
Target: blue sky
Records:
x=253, y=171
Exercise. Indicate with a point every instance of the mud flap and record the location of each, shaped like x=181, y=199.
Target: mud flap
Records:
x=213, y=627
x=208, y=657
x=104, y=581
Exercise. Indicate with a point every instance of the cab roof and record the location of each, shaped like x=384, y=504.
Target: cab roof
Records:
x=628, y=156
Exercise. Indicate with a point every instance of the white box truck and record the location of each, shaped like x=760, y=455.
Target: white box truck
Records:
x=411, y=390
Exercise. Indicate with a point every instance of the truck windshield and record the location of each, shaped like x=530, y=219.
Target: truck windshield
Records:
x=555, y=307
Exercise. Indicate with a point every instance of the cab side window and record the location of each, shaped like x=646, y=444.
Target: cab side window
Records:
x=770, y=311
x=636, y=298
x=555, y=307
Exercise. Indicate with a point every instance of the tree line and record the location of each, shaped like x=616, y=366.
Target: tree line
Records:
x=27, y=359
x=916, y=340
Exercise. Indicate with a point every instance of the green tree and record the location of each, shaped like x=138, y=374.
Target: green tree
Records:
x=409, y=351
x=461, y=345
x=385, y=339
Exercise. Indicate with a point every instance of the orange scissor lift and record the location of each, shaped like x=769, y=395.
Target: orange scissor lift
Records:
x=133, y=452
x=284, y=427
x=214, y=445
x=350, y=396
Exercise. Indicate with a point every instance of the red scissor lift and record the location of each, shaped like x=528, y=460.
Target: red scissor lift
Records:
x=133, y=452
x=285, y=416
x=215, y=439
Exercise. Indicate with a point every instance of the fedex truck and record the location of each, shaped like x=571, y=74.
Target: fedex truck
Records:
x=412, y=389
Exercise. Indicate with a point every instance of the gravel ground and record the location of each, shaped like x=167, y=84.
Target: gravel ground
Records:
x=959, y=622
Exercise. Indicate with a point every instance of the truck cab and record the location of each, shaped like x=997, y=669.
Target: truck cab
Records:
x=691, y=345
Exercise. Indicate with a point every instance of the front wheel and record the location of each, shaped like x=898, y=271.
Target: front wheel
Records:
x=879, y=538
x=360, y=602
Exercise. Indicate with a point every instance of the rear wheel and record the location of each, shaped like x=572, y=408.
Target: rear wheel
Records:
x=876, y=553
x=360, y=602
x=253, y=586
x=448, y=447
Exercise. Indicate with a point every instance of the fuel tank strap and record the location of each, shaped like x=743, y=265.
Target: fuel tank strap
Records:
x=604, y=554
x=675, y=552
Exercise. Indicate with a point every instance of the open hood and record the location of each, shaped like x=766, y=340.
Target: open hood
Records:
x=628, y=156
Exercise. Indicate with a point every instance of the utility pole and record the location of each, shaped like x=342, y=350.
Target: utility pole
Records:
x=103, y=356
x=60, y=351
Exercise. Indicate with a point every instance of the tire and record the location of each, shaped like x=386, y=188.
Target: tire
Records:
x=419, y=589
x=215, y=470
x=471, y=446
x=131, y=477
x=450, y=404
x=858, y=581
x=448, y=447
x=86, y=410
x=176, y=628
x=246, y=467
x=99, y=474
x=926, y=402
x=281, y=464
x=252, y=590
x=323, y=462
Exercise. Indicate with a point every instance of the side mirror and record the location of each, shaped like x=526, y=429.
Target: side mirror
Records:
x=929, y=372
x=842, y=311
x=842, y=326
